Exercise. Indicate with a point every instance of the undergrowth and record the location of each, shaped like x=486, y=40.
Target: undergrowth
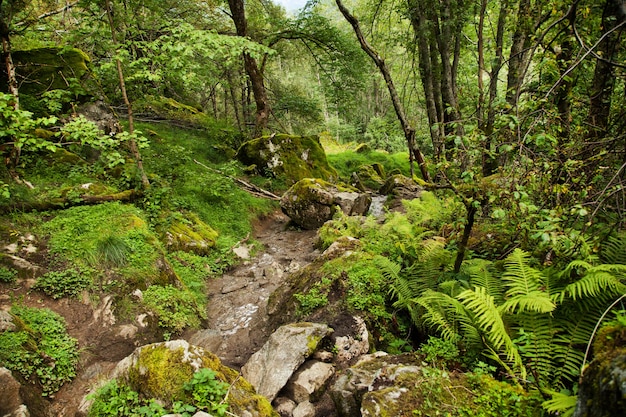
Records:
x=39, y=348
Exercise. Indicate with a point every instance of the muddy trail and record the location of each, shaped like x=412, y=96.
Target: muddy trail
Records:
x=237, y=324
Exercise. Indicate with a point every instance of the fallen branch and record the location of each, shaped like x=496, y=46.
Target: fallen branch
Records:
x=251, y=188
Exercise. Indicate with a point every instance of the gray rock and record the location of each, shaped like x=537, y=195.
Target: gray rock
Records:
x=284, y=406
x=351, y=347
x=312, y=202
x=269, y=369
x=305, y=409
x=308, y=383
x=6, y=321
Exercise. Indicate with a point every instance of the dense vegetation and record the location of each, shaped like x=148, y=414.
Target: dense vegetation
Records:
x=513, y=110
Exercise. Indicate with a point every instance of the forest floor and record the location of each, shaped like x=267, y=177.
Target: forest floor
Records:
x=237, y=319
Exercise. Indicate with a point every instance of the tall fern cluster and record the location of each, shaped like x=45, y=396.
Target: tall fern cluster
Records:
x=533, y=323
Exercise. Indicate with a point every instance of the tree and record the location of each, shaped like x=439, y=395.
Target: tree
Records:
x=409, y=132
x=263, y=108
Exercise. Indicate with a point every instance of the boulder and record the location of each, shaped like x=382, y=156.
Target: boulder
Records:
x=11, y=401
x=102, y=115
x=190, y=234
x=352, y=346
x=309, y=382
x=602, y=391
x=160, y=370
x=312, y=202
x=44, y=69
x=291, y=158
x=402, y=187
x=269, y=369
x=371, y=176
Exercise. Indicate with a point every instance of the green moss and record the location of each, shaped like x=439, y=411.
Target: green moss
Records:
x=160, y=373
x=290, y=157
x=49, y=68
x=191, y=235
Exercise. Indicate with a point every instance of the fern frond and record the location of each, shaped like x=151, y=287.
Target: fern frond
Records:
x=560, y=404
x=535, y=301
x=480, y=273
x=614, y=250
x=535, y=341
x=598, y=280
x=489, y=320
x=448, y=317
x=519, y=277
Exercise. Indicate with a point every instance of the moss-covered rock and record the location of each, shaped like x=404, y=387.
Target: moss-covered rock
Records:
x=312, y=202
x=390, y=386
x=602, y=392
x=288, y=157
x=191, y=234
x=44, y=69
x=160, y=371
x=372, y=176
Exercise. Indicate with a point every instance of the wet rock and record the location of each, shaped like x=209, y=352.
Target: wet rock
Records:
x=312, y=202
x=269, y=369
x=290, y=157
x=309, y=382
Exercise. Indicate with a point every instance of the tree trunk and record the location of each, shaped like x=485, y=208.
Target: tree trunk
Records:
x=8, y=60
x=263, y=108
x=490, y=164
x=409, y=131
x=604, y=77
x=134, y=149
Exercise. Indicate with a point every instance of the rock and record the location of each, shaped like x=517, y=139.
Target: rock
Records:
x=289, y=157
x=269, y=369
x=371, y=176
x=11, y=401
x=401, y=187
x=284, y=406
x=309, y=382
x=160, y=370
x=191, y=235
x=45, y=69
x=6, y=322
x=304, y=409
x=102, y=115
x=602, y=391
x=312, y=202
x=350, y=347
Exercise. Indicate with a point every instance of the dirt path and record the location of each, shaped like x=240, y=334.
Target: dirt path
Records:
x=237, y=308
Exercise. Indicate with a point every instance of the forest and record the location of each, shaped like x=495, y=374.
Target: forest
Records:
x=124, y=127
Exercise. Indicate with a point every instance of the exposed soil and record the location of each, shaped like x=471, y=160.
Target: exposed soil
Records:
x=237, y=319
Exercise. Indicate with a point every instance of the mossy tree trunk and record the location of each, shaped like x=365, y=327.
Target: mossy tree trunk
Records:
x=134, y=149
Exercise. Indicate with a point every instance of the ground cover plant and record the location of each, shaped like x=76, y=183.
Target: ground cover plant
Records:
x=39, y=348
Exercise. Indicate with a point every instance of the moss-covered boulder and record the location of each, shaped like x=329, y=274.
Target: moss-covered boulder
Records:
x=399, y=385
x=372, y=176
x=163, y=371
x=291, y=158
x=311, y=202
x=602, y=392
x=44, y=69
x=190, y=234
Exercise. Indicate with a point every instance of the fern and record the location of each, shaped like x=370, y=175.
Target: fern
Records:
x=560, y=404
x=490, y=321
x=480, y=273
x=597, y=281
x=614, y=250
x=519, y=276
